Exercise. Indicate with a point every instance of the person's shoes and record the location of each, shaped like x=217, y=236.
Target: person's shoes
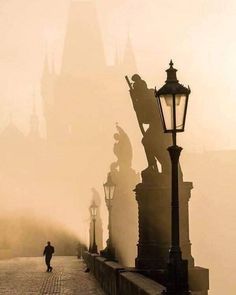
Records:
x=50, y=269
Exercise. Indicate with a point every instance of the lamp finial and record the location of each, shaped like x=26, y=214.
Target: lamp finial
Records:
x=171, y=73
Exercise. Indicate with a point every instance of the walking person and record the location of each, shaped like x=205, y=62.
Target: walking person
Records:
x=48, y=251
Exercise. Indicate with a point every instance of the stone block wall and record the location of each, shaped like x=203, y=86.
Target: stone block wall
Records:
x=116, y=280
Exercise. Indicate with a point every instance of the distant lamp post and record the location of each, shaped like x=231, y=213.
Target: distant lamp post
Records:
x=109, y=189
x=173, y=101
x=93, y=213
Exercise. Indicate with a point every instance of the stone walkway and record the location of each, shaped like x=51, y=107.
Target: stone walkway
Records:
x=25, y=276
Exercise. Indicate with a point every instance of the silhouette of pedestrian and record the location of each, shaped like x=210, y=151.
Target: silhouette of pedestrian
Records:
x=48, y=251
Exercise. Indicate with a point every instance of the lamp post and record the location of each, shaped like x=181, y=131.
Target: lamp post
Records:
x=173, y=101
x=109, y=189
x=93, y=214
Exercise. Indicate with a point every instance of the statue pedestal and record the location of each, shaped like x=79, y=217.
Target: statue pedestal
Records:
x=124, y=221
x=154, y=208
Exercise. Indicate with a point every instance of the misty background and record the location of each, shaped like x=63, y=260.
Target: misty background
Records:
x=198, y=37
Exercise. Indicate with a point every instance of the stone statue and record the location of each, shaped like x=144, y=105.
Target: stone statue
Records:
x=154, y=140
x=153, y=195
x=123, y=150
x=125, y=179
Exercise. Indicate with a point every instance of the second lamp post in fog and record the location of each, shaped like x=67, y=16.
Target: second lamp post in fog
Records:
x=109, y=189
x=173, y=102
x=93, y=213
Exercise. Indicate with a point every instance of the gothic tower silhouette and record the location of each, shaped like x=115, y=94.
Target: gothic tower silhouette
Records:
x=84, y=78
x=83, y=36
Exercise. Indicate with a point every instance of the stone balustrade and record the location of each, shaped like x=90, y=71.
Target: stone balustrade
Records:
x=116, y=280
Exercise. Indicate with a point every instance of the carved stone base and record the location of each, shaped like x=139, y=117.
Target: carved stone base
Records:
x=154, y=203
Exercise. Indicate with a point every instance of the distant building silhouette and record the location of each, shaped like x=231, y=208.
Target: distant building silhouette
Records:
x=42, y=170
x=82, y=77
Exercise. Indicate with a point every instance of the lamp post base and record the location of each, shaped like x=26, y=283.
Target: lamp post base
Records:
x=94, y=249
x=108, y=252
x=177, y=270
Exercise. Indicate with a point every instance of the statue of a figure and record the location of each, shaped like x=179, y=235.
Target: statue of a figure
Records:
x=122, y=149
x=154, y=140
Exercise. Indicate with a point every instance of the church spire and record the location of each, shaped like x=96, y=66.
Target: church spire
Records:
x=83, y=48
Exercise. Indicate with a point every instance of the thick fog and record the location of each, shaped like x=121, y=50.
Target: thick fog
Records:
x=63, y=91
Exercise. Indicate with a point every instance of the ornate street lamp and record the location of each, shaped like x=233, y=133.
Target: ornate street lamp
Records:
x=173, y=101
x=93, y=213
x=109, y=189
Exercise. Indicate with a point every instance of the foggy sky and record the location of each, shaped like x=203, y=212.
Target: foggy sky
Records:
x=197, y=35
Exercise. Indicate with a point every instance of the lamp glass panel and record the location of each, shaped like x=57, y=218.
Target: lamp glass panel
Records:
x=112, y=190
x=107, y=192
x=94, y=210
x=166, y=102
x=181, y=101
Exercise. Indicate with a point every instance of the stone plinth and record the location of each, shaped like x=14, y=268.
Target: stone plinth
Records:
x=154, y=204
x=124, y=222
x=199, y=280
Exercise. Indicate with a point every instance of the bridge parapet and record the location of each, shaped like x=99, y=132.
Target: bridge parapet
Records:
x=117, y=280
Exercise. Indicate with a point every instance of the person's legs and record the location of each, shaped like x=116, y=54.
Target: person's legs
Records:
x=50, y=267
x=47, y=260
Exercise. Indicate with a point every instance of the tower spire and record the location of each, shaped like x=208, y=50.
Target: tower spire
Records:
x=83, y=47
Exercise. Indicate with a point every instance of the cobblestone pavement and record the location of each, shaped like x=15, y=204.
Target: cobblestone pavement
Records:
x=25, y=276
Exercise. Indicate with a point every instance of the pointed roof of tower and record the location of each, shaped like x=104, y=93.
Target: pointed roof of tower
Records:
x=83, y=49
